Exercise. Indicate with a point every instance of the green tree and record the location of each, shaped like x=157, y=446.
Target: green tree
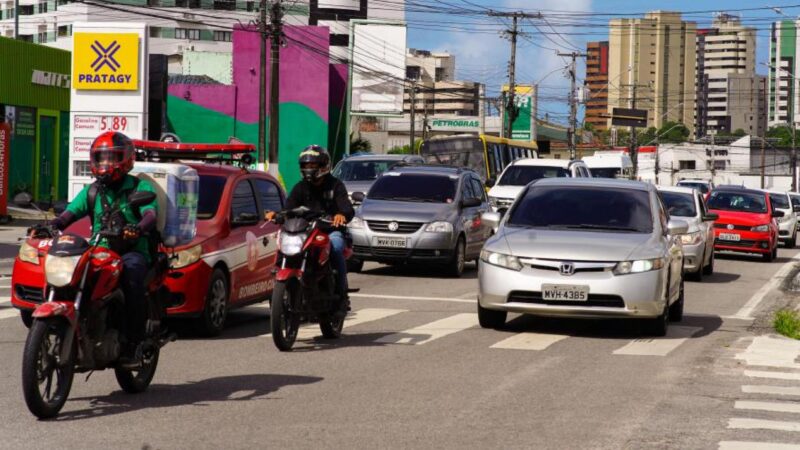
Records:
x=360, y=145
x=405, y=150
x=739, y=132
x=647, y=137
x=783, y=133
x=673, y=132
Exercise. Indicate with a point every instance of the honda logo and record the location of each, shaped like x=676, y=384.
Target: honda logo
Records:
x=567, y=269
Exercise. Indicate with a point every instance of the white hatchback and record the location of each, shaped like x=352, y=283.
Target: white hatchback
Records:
x=523, y=171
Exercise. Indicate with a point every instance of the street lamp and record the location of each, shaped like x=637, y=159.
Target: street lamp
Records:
x=792, y=124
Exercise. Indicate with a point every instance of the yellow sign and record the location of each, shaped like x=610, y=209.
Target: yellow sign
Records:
x=106, y=61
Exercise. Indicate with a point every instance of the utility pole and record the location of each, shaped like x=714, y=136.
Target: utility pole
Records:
x=276, y=36
x=634, y=150
x=657, y=158
x=413, y=124
x=713, y=157
x=793, y=156
x=573, y=105
x=425, y=120
x=763, y=162
x=511, y=107
x=16, y=19
x=262, y=85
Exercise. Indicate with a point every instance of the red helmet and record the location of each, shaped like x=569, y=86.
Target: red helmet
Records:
x=111, y=157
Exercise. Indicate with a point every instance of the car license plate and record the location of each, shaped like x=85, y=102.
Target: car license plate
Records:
x=560, y=292
x=391, y=242
x=729, y=237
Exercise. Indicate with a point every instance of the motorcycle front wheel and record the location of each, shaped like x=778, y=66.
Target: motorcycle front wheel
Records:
x=137, y=381
x=284, y=324
x=46, y=378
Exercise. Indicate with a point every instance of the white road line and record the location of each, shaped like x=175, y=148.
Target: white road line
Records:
x=774, y=390
x=676, y=336
x=775, y=375
x=772, y=352
x=768, y=406
x=530, y=341
x=748, y=308
x=742, y=445
x=357, y=318
x=423, y=299
x=432, y=331
x=758, y=424
x=4, y=299
x=8, y=313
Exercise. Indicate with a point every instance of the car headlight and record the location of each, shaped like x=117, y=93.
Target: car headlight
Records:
x=29, y=253
x=59, y=269
x=501, y=260
x=439, y=227
x=638, y=266
x=761, y=228
x=691, y=238
x=186, y=257
x=357, y=223
x=291, y=244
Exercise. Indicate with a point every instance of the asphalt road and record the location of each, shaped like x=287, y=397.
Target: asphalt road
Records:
x=415, y=371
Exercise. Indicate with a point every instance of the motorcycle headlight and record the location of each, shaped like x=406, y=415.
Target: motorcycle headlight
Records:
x=639, y=266
x=439, y=227
x=691, y=238
x=357, y=223
x=760, y=228
x=501, y=260
x=59, y=269
x=291, y=244
x=29, y=253
x=186, y=257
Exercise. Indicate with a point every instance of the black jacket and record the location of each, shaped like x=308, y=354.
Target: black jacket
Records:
x=331, y=197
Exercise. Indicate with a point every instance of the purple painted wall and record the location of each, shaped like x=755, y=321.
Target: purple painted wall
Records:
x=216, y=97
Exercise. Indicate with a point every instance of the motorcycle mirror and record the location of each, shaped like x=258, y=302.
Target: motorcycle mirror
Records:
x=141, y=198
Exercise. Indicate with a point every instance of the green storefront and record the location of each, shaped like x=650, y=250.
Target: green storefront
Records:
x=34, y=100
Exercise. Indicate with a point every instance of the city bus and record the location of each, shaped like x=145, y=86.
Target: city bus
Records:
x=486, y=155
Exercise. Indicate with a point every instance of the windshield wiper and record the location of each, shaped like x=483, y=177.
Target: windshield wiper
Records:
x=589, y=226
x=413, y=199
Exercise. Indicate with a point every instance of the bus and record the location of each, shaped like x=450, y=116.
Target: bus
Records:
x=486, y=155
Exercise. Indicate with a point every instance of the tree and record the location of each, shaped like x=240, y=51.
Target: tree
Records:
x=647, y=137
x=673, y=132
x=783, y=133
x=739, y=132
x=404, y=150
x=360, y=145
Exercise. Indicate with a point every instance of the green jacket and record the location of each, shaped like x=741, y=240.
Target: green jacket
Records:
x=79, y=208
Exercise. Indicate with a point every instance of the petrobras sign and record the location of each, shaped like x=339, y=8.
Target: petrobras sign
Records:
x=105, y=61
x=461, y=124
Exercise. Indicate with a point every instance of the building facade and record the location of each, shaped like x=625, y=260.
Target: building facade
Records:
x=782, y=85
x=597, y=85
x=652, y=65
x=436, y=91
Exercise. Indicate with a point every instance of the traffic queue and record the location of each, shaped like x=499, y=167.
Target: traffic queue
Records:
x=549, y=238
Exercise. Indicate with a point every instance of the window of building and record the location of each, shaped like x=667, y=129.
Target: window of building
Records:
x=187, y=33
x=686, y=165
x=63, y=30
x=42, y=7
x=81, y=169
x=225, y=5
x=440, y=74
x=222, y=36
x=251, y=6
x=155, y=32
x=413, y=72
x=26, y=10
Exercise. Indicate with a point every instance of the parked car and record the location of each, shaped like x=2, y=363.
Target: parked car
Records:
x=795, y=196
x=228, y=264
x=703, y=186
x=698, y=242
x=422, y=214
x=787, y=225
x=359, y=171
x=610, y=164
x=746, y=221
x=587, y=248
x=522, y=171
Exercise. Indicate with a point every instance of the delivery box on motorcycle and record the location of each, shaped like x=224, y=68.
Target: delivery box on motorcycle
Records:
x=176, y=186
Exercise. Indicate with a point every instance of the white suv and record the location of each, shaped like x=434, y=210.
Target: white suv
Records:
x=787, y=225
x=522, y=171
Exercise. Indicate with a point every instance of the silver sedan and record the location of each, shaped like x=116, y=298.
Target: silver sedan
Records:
x=588, y=248
x=698, y=242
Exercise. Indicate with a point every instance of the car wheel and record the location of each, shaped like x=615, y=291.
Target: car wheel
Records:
x=355, y=265
x=659, y=325
x=212, y=320
x=27, y=318
x=489, y=318
x=676, y=310
x=709, y=269
x=455, y=268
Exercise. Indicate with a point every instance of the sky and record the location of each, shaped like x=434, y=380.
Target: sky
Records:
x=482, y=54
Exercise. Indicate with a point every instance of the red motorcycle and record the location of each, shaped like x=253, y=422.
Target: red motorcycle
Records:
x=77, y=328
x=306, y=287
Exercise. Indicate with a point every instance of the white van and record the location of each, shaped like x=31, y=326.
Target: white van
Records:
x=522, y=171
x=610, y=165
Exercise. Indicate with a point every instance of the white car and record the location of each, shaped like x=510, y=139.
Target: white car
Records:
x=698, y=241
x=795, y=196
x=701, y=185
x=787, y=225
x=610, y=164
x=522, y=171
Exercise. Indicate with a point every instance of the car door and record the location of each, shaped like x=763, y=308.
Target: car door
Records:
x=484, y=231
x=707, y=227
x=243, y=241
x=270, y=198
x=467, y=215
x=674, y=251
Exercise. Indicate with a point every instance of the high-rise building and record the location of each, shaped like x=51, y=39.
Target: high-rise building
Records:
x=727, y=85
x=597, y=85
x=437, y=91
x=653, y=60
x=783, y=65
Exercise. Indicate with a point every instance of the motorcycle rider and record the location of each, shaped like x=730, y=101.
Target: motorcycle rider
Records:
x=321, y=191
x=112, y=155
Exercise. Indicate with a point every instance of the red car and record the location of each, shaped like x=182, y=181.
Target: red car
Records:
x=228, y=264
x=746, y=222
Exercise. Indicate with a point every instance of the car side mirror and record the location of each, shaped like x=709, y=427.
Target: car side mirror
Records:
x=471, y=202
x=23, y=200
x=710, y=217
x=490, y=182
x=491, y=219
x=778, y=214
x=244, y=219
x=358, y=197
x=677, y=226
x=141, y=198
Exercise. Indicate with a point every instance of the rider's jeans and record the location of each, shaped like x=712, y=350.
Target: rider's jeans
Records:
x=337, y=257
x=134, y=271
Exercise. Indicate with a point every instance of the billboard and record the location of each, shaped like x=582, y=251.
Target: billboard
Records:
x=522, y=128
x=378, y=67
x=625, y=117
x=106, y=61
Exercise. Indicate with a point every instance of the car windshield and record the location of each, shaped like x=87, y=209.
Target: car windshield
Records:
x=211, y=188
x=679, y=204
x=738, y=201
x=414, y=188
x=779, y=201
x=589, y=208
x=522, y=175
x=362, y=170
x=605, y=172
x=701, y=187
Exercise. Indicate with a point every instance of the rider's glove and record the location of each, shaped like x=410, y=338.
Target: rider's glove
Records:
x=131, y=232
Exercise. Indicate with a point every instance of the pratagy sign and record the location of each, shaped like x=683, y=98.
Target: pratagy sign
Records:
x=106, y=61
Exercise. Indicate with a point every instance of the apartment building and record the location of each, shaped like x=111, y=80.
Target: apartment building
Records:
x=436, y=91
x=652, y=64
x=596, y=85
x=783, y=66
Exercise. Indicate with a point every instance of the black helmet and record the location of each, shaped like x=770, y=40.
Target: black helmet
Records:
x=315, y=162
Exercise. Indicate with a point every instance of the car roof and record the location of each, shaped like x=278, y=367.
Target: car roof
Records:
x=429, y=169
x=223, y=170
x=376, y=157
x=694, y=180
x=544, y=162
x=596, y=182
x=738, y=189
x=774, y=191
x=679, y=189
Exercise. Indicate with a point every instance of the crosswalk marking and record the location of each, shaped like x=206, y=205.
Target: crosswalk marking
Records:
x=432, y=331
x=776, y=390
x=7, y=313
x=768, y=406
x=758, y=424
x=742, y=445
x=530, y=341
x=676, y=336
x=775, y=375
x=357, y=318
x=4, y=299
x=772, y=352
